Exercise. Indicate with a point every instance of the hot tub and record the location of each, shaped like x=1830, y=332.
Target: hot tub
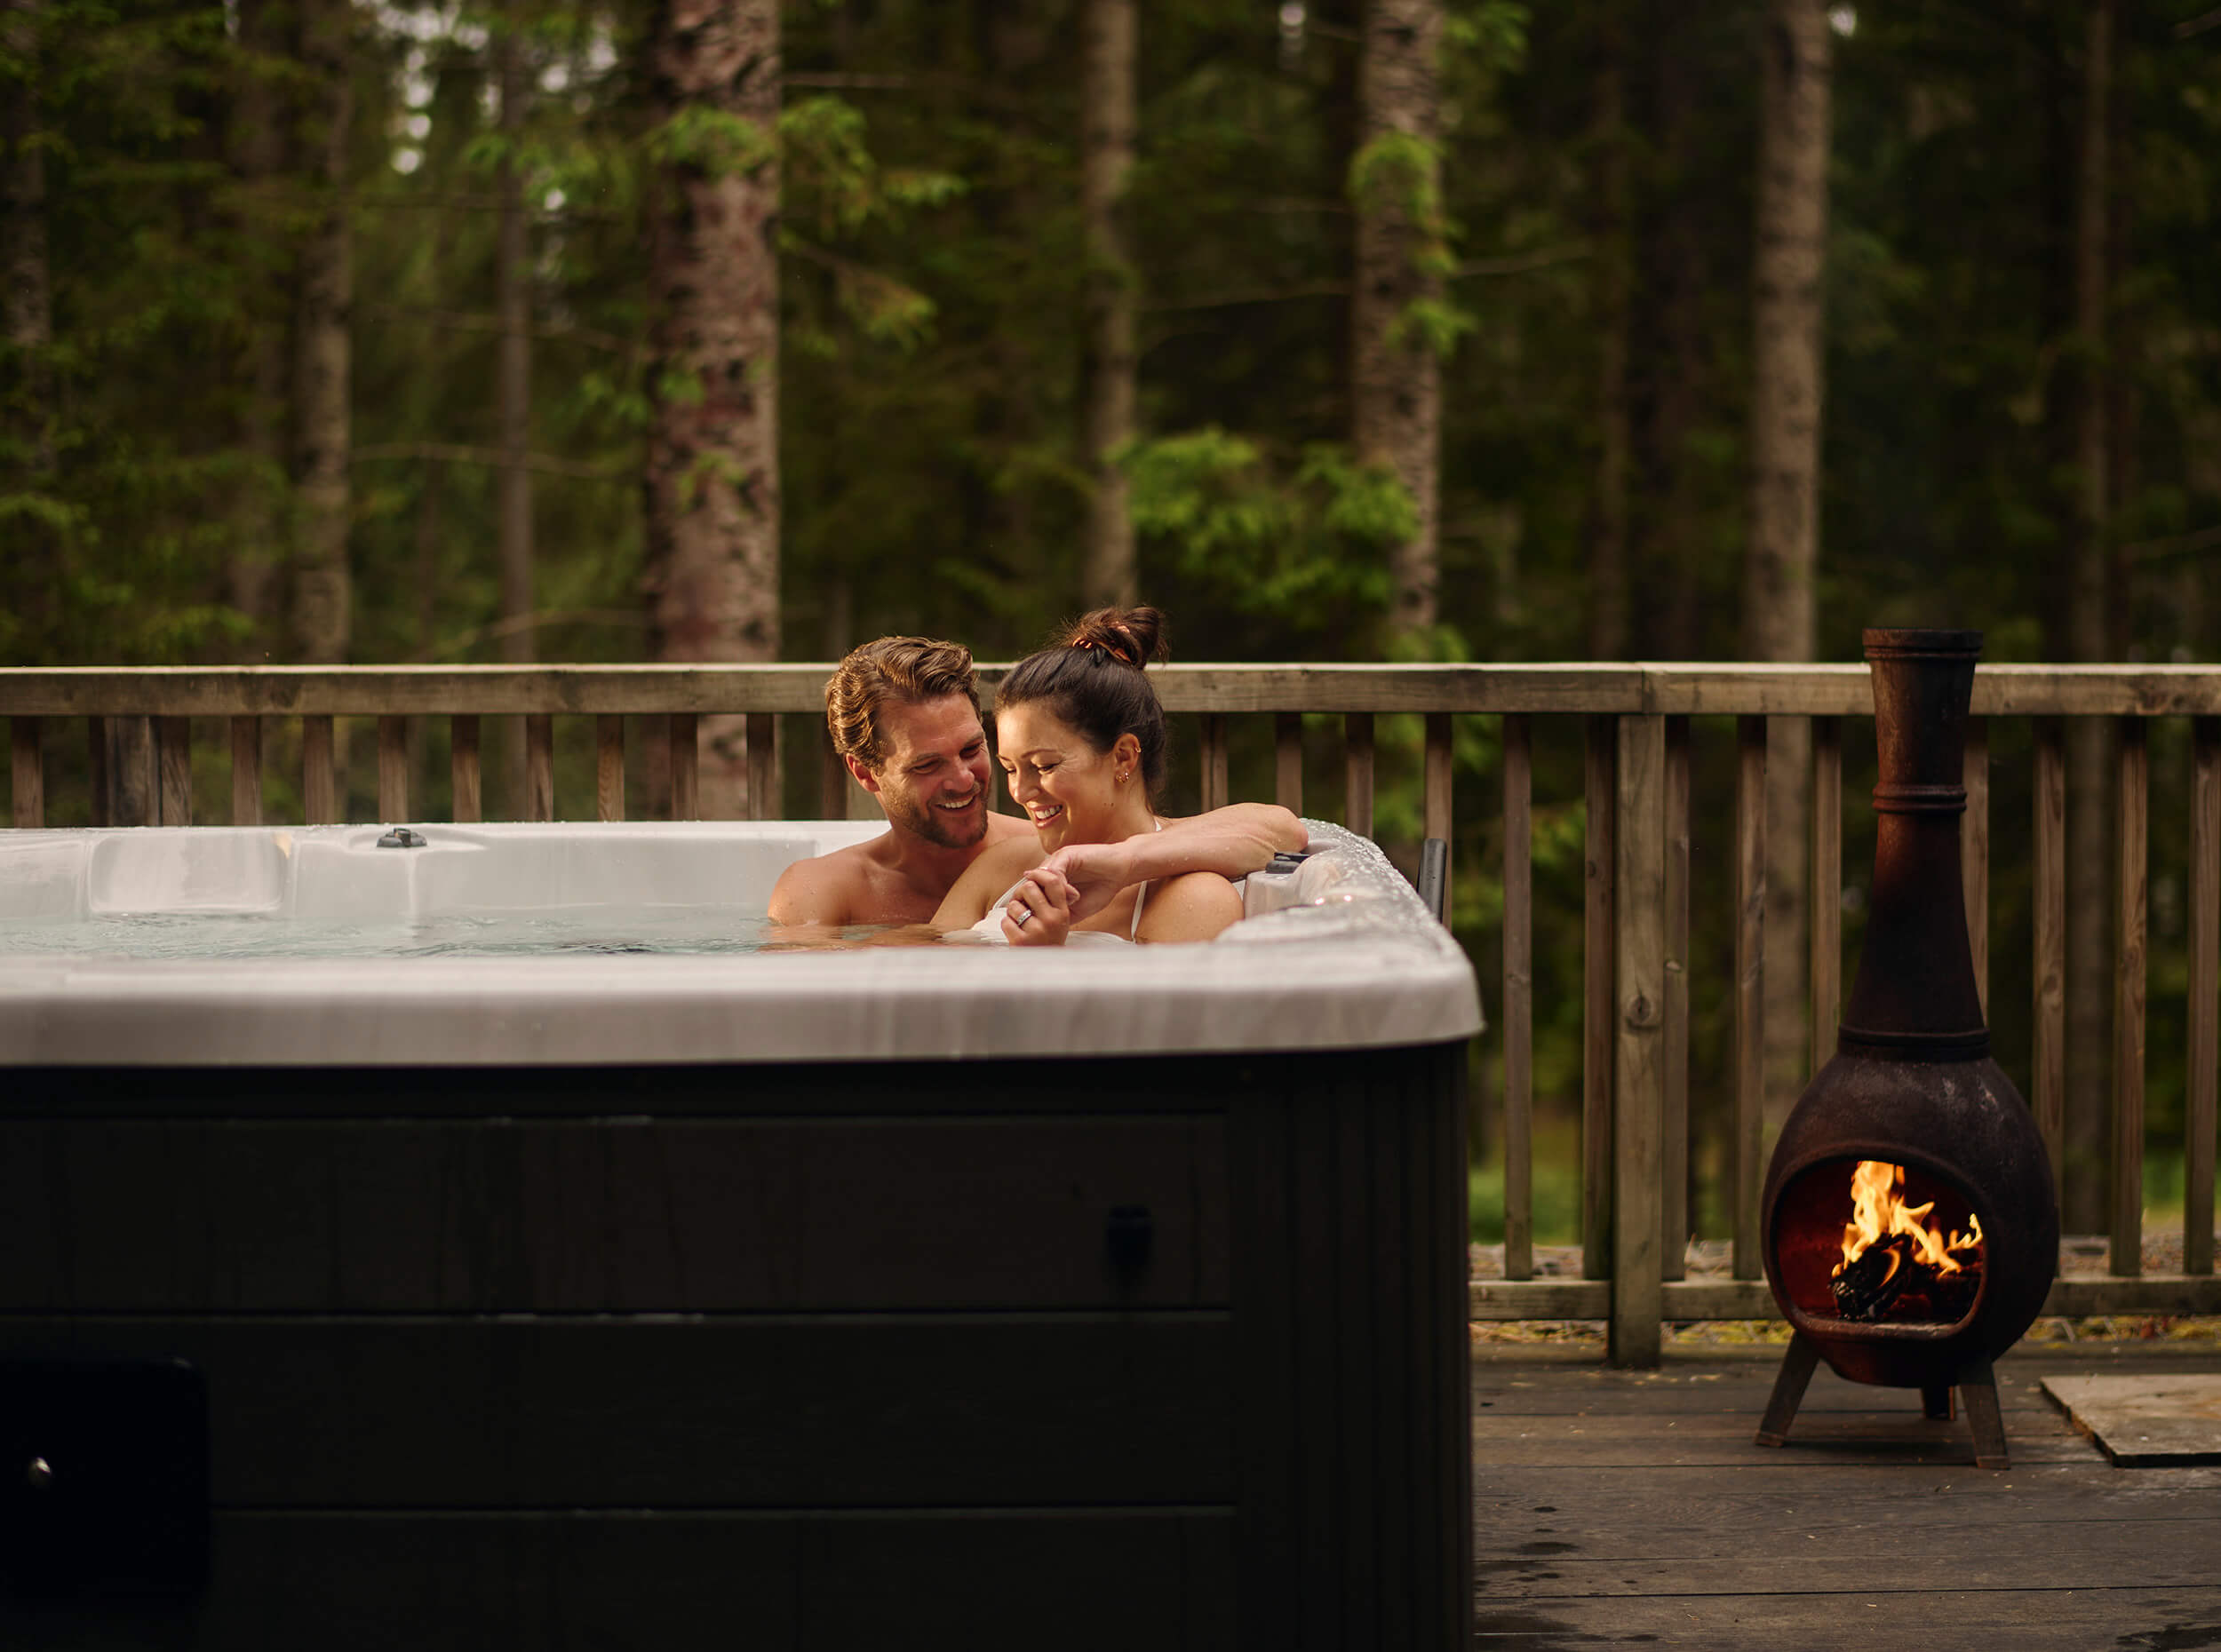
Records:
x=904, y=1296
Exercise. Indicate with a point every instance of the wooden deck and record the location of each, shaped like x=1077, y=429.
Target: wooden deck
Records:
x=1615, y=1507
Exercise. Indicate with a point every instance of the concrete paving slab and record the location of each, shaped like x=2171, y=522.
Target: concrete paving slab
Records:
x=2147, y=1421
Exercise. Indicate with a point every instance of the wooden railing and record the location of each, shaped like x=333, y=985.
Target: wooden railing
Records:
x=1635, y=721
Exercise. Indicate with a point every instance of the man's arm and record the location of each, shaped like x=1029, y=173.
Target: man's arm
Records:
x=1233, y=842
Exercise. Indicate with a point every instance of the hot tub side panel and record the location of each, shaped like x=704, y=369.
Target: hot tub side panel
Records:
x=1164, y=1351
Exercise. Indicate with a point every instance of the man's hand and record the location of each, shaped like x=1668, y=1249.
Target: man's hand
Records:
x=1039, y=910
x=1092, y=872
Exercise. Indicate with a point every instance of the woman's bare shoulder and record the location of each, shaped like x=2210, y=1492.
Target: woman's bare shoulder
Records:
x=1194, y=906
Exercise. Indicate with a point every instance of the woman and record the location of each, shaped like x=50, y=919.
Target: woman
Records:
x=1081, y=741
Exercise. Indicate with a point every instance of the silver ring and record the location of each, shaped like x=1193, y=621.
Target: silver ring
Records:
x=1024, y=912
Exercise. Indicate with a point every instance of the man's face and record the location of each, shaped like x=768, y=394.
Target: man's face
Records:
x=933, y=783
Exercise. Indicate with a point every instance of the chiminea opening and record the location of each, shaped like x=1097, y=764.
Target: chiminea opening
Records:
x=1864, y=1242
x=1911, y=1231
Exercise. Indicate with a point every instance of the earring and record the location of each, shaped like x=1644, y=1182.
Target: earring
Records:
x=1122, y=777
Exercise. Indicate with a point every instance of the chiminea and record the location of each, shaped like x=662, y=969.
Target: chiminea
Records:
x=1910, y=1228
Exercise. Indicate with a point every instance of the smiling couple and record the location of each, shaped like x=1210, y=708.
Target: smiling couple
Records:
x=1081, y=738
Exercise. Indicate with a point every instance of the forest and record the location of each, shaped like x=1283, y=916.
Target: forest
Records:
x=1341, y=329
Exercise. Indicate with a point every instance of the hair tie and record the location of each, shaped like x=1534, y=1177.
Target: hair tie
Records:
x=1085, y=642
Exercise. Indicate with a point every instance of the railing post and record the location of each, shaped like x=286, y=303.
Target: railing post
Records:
x=608, y=766
x=2205, y=979
x=1287, y=761
x=1358, y=795
x=1635, y=1331
x=174, y=746
x=466, y=806
x=2048, y=1059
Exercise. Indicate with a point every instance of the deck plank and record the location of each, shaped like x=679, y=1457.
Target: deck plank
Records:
x=1619, y=1505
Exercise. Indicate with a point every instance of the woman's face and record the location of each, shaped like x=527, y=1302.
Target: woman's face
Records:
x=1070, y=790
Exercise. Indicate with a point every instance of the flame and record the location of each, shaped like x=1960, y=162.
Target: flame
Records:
x=1879, y=1212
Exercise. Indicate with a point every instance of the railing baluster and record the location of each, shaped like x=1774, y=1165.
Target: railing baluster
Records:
x=2205, y=981
x=2129, y=988
x=1751, y=986
x=320, y=805
x=763, y=767
x=1357, y=786
x=1519, y=1001
x=96, y=734
x=1214, y=757
x=608, y=766
x=833, y=779
x=686, y=771
x=1601, y=791
x=1675, y=1209
x=1974, y=854
x=393, y=769
x=1638, y=1066
x=462, y=768
x=1825, y=887
x=539, y=766
x=1439, y=754
x=174, y=746
x=2048, y=1071
x=1287, y=761
x=29, y=775
x=246, y=771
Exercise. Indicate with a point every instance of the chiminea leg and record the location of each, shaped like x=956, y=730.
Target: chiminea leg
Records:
x=1935, y=1401
x=1796, y=1371
x=1978, y=1387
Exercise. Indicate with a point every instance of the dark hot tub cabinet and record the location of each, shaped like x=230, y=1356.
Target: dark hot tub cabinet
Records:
x=1910, y=1227
x=943, y=1297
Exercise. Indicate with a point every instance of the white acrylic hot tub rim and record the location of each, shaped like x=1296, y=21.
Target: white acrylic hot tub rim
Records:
x=1365, y=968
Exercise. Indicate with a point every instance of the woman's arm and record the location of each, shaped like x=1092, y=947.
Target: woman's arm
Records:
x=1193, y=907
x=1231, y=842
x=985, y=879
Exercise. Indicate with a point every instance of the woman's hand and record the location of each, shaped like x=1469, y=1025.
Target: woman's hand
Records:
x=1039, y=910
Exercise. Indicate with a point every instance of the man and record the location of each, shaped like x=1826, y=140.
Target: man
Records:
x=903, y=713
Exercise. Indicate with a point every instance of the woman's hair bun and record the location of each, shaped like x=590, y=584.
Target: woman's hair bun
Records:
x=1134, y=635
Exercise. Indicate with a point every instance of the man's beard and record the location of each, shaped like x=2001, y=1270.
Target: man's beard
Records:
x=938, y=827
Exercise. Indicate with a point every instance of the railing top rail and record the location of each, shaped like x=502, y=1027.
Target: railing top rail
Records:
x=1575, y=687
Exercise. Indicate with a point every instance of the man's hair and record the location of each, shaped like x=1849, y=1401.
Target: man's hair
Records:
x=912, y=670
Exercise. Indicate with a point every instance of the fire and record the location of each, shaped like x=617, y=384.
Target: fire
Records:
x=1879, y=1213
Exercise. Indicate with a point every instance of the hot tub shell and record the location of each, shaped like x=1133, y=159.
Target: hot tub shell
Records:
x=909, y=1296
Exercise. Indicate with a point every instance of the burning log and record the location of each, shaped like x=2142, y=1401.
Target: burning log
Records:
x=1867, y=1285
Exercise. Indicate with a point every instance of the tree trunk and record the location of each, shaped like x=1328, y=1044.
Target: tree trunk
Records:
x=2090, y=779
x=512, y=279
x=1666, y=547
x=1608, y=627
x=1107, y=121
x=1782, y=555
x=713, y=481
x=257, y=144
x=27, y=392
x=1396, y=379
x=322, y=360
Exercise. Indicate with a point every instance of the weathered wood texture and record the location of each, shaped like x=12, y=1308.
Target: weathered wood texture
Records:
x=1827, y=887
x=1600, y=794
x=1750, y=989
x=2130, y=931
x=1674, y=1224
x=1613, y=1505
x=2205, y=995
x=1669, y=689
x=1518, y=999
x=1638, y=1048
